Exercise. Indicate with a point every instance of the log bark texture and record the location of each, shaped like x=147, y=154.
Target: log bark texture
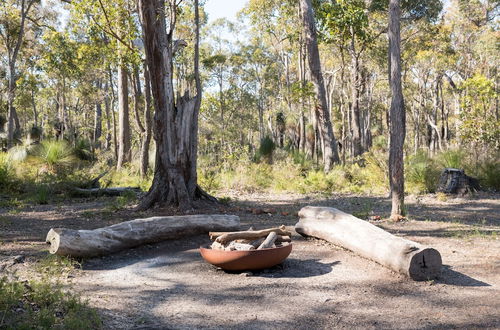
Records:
x=399, y=254
x=107, y=240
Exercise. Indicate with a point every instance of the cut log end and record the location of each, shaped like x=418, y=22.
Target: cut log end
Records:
x=425, y=265
x=53, y=238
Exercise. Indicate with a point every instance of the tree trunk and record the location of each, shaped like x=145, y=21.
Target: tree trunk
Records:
x=124, y=235
x=146, y=141
x=98, y=121
x=175, y=121
x=330, y=155
x=397, y=114
x=124, y=150
x=11, y=110
x=355, y=95
x=35, y=111
x=371, y=242
x=108, y=117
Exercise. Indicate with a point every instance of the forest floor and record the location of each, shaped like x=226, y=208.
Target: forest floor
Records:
x=319, y=286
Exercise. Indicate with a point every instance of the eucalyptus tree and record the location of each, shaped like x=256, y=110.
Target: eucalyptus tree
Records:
x=118, y=21
x=397, y=113
x=13, y=21
x=330, y=151
x=346, y=24
x=176, y=118
x=59, y=63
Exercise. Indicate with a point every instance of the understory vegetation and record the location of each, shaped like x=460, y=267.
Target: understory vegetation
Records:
x=44, y=302
x=49, y=171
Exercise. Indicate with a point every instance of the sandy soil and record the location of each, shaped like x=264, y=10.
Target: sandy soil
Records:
x=320, y=286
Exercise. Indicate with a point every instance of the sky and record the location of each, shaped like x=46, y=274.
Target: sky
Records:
x=223, y=8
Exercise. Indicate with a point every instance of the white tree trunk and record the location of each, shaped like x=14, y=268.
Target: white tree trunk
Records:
x=399, y=254
x=102, y=241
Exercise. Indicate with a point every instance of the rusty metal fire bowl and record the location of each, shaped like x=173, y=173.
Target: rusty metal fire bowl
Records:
x=246, y=260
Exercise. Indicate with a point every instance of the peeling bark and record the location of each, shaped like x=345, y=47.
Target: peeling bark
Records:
x=175, y=120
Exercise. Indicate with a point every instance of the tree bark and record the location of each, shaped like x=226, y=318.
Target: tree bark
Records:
x=175, y=121
x=125, y=235
x=107, y=146
x=124, y=149
x=146, y=141
x=330, y=154
x=342, y=229
x=397, y=114
x=98, y=121
x=357, y=148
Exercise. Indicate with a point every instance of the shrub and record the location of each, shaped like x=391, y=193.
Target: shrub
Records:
x=55, y=156
x=83, y=150
x=5, y=170
x=452, y=159
x=489, y=174
x=41, y=305
x=422, y=173
x=266, y=148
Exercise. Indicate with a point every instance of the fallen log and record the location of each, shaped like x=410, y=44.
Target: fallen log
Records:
x=115, y=191
x=224, y=237
x=342, y=229
x=102, y=241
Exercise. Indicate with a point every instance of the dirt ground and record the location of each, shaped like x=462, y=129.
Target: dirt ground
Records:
x=319, y=286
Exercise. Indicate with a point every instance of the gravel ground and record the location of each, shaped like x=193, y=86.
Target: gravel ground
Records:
x=320, y=286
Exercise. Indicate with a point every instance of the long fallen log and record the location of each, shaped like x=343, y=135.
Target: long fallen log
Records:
x=224, y=237
x=399, y=254
x=114, y=191
x=102, y=241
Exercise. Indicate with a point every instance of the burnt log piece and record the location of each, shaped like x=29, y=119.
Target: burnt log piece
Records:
x=269, y=241
x=128, y=234
x=225, y=237
x=455, y=181
x=369, y=241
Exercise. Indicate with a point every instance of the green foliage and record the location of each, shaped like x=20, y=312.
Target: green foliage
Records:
x=83, y=150
x=342, y=20
x=266, y=149
x=421, y=173
x=56, y=156
x=452, y=158
x=489, y=173
x=5, y=171
x=41, y=194
x=42, y=305
x=478, y=116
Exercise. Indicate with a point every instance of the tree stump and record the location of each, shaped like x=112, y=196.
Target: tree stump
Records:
x=455, y=181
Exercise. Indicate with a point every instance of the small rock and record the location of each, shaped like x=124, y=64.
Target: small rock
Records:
x=246, y=274
x=18, y=259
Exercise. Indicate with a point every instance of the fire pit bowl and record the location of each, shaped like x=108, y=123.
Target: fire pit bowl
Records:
x=246, y=260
